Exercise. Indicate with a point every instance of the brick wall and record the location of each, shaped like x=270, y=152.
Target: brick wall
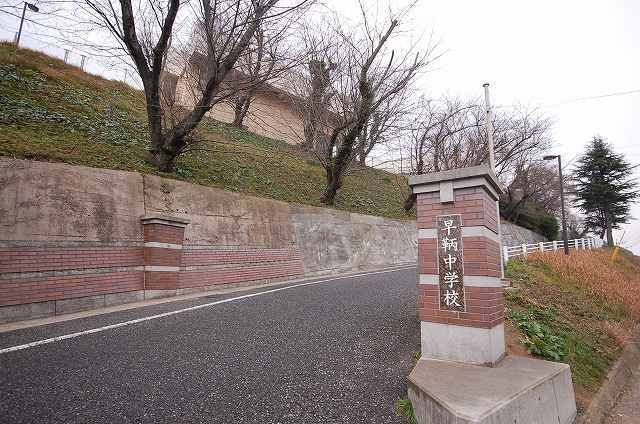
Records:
x=35, y=273
x=481, y=258
x=485, y=307
x=202, y=266
x=45, y=272
x=474, y=204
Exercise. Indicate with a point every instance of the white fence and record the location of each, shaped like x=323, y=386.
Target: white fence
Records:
x=524, y=249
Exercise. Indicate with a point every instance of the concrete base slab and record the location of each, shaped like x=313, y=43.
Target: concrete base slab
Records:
x=27, y=311
x=518, y=390
x=69, y=306
x=125, y=297
x=31, y=311
x=157, y=294
x=471, y=345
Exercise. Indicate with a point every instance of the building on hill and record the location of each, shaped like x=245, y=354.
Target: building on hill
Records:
x=274, y=112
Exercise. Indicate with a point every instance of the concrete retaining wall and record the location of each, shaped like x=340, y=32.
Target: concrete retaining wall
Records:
x=71, y=237
x=515, y=235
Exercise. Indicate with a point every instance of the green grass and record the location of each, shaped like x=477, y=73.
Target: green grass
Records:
x=578, y=329
x=404, y=408
x=50, y=111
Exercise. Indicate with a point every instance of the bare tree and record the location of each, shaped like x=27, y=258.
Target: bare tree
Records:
x=385, y=125
x=261, y=65
x=576, y=227
x=451, y=134
x=312, y=85
x=368, y=73
x=534, y=184
x=437, y=138
x=228, y=28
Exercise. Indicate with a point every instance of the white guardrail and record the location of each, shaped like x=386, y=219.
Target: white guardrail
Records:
x=546, y=246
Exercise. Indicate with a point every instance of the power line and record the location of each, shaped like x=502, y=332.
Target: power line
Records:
x=31, y=20
x=600, y=96
x=577, y=99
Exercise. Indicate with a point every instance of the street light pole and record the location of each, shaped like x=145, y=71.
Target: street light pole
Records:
x=489, y=112
x=24, y=11
x=564, y=218
x=492, y=163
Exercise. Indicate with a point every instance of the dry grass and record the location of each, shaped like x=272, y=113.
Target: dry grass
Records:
x=587, y=301
x=595, y=272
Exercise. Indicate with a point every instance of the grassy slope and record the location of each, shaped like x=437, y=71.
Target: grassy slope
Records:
x=54, y=112
x=572, y=301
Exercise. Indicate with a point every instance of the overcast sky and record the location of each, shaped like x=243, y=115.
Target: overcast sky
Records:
x=543, y=53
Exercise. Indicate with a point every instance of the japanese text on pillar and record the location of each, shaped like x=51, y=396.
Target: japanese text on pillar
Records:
x=450, y=267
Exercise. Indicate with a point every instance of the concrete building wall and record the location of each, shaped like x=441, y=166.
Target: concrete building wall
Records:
x=71, y=238
x=271, y=115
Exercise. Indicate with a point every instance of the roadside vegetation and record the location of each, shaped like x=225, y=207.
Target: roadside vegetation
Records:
x=578, y=309
x=50, y=111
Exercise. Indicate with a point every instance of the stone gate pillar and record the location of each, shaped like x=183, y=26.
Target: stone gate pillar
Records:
x=461, y=302
x=463, y=375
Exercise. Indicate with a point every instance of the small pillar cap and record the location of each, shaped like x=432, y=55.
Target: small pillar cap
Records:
x=164, y=220
x=480, y=171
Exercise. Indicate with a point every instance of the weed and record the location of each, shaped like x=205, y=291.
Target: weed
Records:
x=404, y=408
x=539, y=339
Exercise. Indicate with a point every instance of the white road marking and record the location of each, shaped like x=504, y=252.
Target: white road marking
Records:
x=179, y=311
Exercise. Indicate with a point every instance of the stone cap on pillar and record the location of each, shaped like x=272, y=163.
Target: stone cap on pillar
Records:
x=446, y=181
x=174, y=221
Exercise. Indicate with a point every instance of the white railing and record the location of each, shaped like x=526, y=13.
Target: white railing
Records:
x=509, y=252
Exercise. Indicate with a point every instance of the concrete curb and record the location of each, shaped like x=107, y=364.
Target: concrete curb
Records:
x=625, y=368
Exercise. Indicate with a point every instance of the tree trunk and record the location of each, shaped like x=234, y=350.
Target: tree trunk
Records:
x=362, y=159
x=164, y=150
x=165, y=162
x=240, y=110
x=609, y=230
x=309, y=132
x=409, y=202
x=329, y=195
x=360, y=147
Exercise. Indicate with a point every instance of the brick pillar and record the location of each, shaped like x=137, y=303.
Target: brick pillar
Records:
x=461, y=303
x=163, y=239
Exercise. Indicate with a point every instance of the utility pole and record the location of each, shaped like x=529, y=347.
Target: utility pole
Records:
x=492, y=164
x=564, y=218
x=24, y=11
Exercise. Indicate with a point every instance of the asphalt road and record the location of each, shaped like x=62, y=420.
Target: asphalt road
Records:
x=332, y=352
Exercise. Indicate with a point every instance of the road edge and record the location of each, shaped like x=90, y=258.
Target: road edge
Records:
x=623, y=371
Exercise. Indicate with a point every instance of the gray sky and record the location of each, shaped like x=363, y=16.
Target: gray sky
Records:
x=543, y=53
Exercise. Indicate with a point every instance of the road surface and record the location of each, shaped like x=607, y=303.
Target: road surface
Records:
x=333, y=352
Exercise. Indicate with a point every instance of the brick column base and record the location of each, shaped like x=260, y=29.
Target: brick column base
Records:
x=163, y=239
